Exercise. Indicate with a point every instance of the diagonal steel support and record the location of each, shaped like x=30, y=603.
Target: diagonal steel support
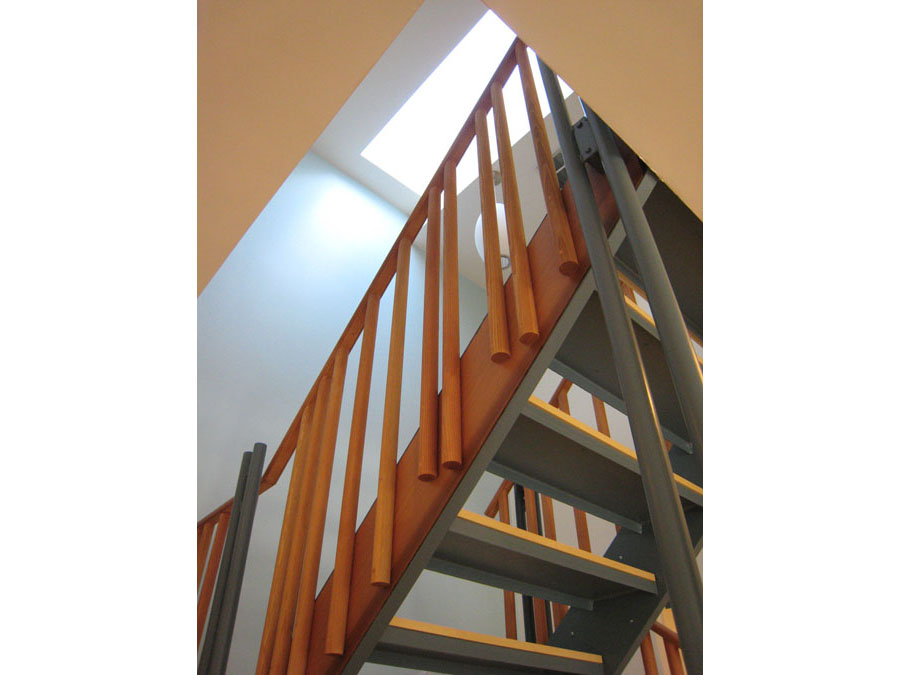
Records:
x=673, y=335
x=679, y=567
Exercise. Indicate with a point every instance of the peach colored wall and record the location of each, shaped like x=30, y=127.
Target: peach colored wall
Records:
x=638, y=64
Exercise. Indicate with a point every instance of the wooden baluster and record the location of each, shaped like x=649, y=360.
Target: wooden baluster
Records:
x=559, y=610
x=629, y=293
x=648, y=657
x=600, y=415
x=264, y=660
x=492, y=270
x=560, y=399
x=673, y=656
x=203, y=539
x=523, y=290
x=306, y=596
x=308, y=443
x=541, y=630
x=343, y=562
x=212, y=569
x=428, y=407
x=568, y=260
x=387, y=471
x=509, y=598
x=451, y=397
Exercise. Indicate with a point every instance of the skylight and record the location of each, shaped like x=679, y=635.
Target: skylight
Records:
x=412, y=144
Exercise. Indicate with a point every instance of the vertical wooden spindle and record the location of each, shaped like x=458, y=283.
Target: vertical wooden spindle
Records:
x=309, y=442
x=600, y=415
x=648, y=657
x=492, y=270
x=428, y=407
x=560, y=399
x=203, y=547
x=306, y=595
x=523, y=290
x=212, y=569
x=541, y=630
x=387, y=470
x=509, y=598
x=451, y=416
x=559, y=222
x=264, y=660
x=558, y=609
x=343, y=561
x=673, y=657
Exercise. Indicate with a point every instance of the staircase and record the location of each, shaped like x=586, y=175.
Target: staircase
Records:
x=547, y=316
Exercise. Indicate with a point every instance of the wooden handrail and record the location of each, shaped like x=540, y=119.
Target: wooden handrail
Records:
x=387, y=472
x=428, y=407
x=203, y=540
x=340, y=596
x=212, y=569
x=451, y=396
x=499, y=495
x=490, y=233
x=523, y=291
x=316, y=529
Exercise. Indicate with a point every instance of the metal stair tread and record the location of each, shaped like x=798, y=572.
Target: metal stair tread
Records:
x=487, y=551
x=416, y=644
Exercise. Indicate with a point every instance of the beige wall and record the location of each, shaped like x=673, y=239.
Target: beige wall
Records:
x=638, y=64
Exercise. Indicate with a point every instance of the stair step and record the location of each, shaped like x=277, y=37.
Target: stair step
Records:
x=559, y=456
x=414, y=644
x=487, y=551
x=645, y=321
x=679, y=237
x=586, y=358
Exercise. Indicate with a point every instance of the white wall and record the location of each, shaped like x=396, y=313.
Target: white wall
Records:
x=266, y=324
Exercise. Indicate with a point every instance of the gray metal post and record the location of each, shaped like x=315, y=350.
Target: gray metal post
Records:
x=677, y=562
x=225, y=629
x=673, y=334
x=215, y=610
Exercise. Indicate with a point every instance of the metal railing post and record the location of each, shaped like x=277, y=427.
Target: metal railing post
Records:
x=225, y=629
x=527, y=606
x=673, y=334
x=677, y=561
x=219, y=593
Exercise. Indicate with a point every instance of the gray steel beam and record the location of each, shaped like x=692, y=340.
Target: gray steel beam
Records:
x=215, y=610
x=222, y=643
x=678, y=564
x=673, y=334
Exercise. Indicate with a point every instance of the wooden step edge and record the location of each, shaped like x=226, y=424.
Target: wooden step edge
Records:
x=481, y=638
x=583, y=428
x=484, y=521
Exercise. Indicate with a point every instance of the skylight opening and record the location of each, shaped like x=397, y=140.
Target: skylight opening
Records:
x=412, y=144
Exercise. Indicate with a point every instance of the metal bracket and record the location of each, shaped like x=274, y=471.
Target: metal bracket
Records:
x=587, y=146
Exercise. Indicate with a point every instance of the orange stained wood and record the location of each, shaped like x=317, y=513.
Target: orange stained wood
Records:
x=648, y=657
x=487, y=389
x=556, y=212
x=523, y=292
x=264, y=659
x=492, y=270
x=509, y=598
x=451, y=422
x=603, y=438
x=387, y=470
x=673, y=657
x=600, y=415
x=306, y=595
x=468, y=636
x=541, y=627
x=559, y=610
x=501, y=493
x=308, y=444
x=340, y=599
x=560, y=399
x=428, y=408
x=205, y=536
x=666, y=633
x=215, y=557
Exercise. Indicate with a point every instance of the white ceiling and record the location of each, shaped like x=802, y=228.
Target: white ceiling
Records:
x=434, y=30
